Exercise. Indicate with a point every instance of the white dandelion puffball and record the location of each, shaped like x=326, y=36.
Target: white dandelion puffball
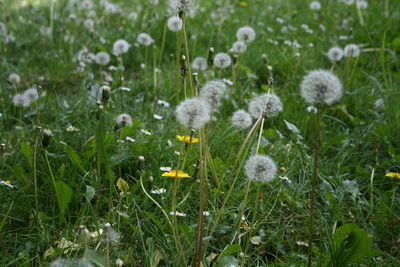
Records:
x=268, y=103
x=120, y=47
x=89, y=24
x=123, y=119
x=241, y=119
x=102, y=58
x=193, y=113
x=45, y=31
x=174, y=24
x=260, y=168
x=14, y=78
x=239, y=47
x=335, y=54
x=187, y=6
x=222, y=60
x=348, y=2
x=246, y=34
x=144, y=39
x=133, y=16
x=199, y=63
x=212, y=93
x=19, y=100
x=352, y=50
x=315, y=5
x=3, y=29
x=362, y=4
x=321, y=86
x=31, y=95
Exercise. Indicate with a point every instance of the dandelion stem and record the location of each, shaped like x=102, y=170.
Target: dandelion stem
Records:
x=187, y=53
x=314, y=186
x=35, y=176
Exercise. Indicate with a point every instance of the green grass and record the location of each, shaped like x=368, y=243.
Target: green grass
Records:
x=358, y=147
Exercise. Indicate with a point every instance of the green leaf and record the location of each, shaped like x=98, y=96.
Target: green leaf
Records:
x=64, y=195
x=62, y=171
x=232, y=249
x=28, y=152
x=227, y=261
x=95, y=257
x=75, y=158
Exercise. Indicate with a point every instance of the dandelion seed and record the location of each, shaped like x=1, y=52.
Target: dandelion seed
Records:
x=246, y=34
x=352, y=50
x=199, y=63
x=335, y=54
x=174, y=24
x=267, y=103
x=260, y=168
x=193, y=113
x=158, y=191
x=175, y=174
x=188, y=139
x=102, y=58
x=120, y=47
x=222, y=60
x=123, y=120
x=146, y=132
x=144, y=39
x=212, y=93
x=321, y=86
x=241, y=119
x=239, y=47
x=14, y=78
x=7, y=183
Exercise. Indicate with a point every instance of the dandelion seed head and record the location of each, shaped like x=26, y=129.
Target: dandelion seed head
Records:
x=315, y=5
x=14, y=78
x=321, y=86
x=246, y=34
x=241, y=119
x=222, y=60
x=89, y=24
x=335, y=53
x=174, y=24
x=187, y=6
x=261, y=168
x=352, y=50
x=102, y=58
x=19, y=100
x=268, y=103
x=239, y=47
x=110, y=235
x=45, y=31
x=199, y=63
x=123, y=120
x=61, y=263
x=193, y=113
x=120, y=47
x=362, y=4
x=144, y=39
x=212, y=93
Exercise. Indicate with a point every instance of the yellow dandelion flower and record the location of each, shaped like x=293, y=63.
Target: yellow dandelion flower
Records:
x=282, y=169
x=243, y=3
x=175, y=174
x=394, y=175
x=187, y=139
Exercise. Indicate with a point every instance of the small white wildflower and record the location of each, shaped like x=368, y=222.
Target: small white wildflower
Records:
x=379, y=104
x=199, y=63
x=130, y=139
x=351, y=50
x=146, y=132
x=14, y=78
x=246, y=34
x=268, y=103
x=119, y=262
x=206, y=213
x=315, y=5
x=222, y=60
x=286, y=179
x=162, y=103
x=120, y=47
x=335, y=53
x=7, y=183
x=165, y=169
x=71, y=128
x=241, y=119
x=193, y=113
x=174, y=24
x=312, y=109
x=157, y=117
x=123, y=120
x=158, y=191
x=102, y=58
x=239, y=47
x=177, y=213
x=125, y=89
x=144, y=39
x=321, y=86
x=212, y=93
x=260, y=168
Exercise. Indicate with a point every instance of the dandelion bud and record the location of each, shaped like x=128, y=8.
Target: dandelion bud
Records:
x=84, y=235
x=150, y=181
x=47, y=134
x=100, y=111
x=3, y=147
x=264, y=58
x=105, y=95
x=210, y=59
x=141, y=162
x=196, y=79
x=184, y=67
x=38, y=130
x=119, y=262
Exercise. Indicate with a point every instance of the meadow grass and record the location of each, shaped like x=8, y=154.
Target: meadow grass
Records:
x=89, y=171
